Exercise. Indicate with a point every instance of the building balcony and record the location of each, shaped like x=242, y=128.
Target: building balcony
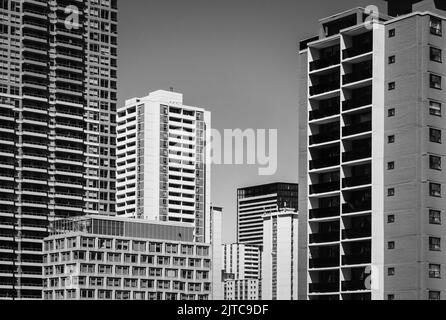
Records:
x=353, y=285
x=323, y=88
x=324, y=163
x=324, y=187
x=356, y=181
x=357, y=207
x=321, y=213
x=324, y=237
x=355, y=259
x=319, y=263
x=357, y=51
x=323, y=287
x=356, y=233
x=324, y=112
x=357, y=76
x=324, y=137
x=357, y=154
x=357, y=103
x=324, y=63
x=357, y=128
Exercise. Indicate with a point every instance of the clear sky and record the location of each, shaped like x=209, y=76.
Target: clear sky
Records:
x=236, y=58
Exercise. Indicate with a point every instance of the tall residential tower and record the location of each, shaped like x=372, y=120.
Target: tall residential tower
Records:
x=58, y=82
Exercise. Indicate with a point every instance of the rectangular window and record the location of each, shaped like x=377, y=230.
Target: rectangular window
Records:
x=392, y=33
x=435, y=190
x=391, y=271
x=434, y=271
x=391, y=218
x=391, y=192
x=392, y=86
x=391, y=245
x=435, y=108
x=391, y=112
x=435, y=135
x=391, y=139
x=435, y=81
x=434, y=295
x=392, y=59
x=435, y=217
x=391, y=165
x=435, y=163
x=435, y=54
x=436, y=26
x=434, y=244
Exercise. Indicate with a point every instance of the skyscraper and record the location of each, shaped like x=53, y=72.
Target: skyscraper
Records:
x=164, y=162
x=371, y=179
x=254, y=202
x=57, y=125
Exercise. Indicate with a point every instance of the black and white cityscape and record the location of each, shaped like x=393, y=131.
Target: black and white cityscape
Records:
x=222, y=150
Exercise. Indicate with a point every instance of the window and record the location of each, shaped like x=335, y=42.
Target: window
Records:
x=392, y=86
x=435, y=54
x=435, y=108
x=434, y=135
x=391, y=192
x=390, y=297
x=391, y=271
x=391, y=218
x=391, y=112
x=391, y=245
x=435, y=190
x=392, y=33
x=434, y=217
x=391, y=139
x=435, y=81
x=435, y=163
x=434, y=244
x=391, y=165
x=392, y=59
x=434, y=271
x=434, y=295
x=435, y=26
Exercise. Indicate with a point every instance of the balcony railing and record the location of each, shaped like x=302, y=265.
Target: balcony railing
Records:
x=354, y=259
x=351, y=208
x=357, y=128
x=326, y=87
x=356, y=51
x=356, y=181
x=353, y=285
x=323, y=287
x=357, y=76
x=323, y=263
x=324, y=63
x=324, y=163
x=324, y=112
x=357, y=103
x=356, y=233
x=324, y=237
x=357, y=154
x=324, y=187
x=325, y=137
x=324, y=212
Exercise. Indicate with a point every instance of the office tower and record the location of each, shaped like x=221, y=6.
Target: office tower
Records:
x=241, y=272
x=216, y=258
x=254, y=202
x=372, y=184
x=113, y=258
x=280, y=256
x=164, y=162
x=57, y=126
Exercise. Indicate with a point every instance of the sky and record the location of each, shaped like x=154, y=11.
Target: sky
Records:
x=235, y=58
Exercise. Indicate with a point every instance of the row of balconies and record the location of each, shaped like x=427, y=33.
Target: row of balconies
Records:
x=348, y=182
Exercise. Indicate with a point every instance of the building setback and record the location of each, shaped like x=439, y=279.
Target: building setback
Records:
x=372, y=186
x=58, y=84
x=105, y=258
x=163, y=162
x=254, y=202
x=280, y=256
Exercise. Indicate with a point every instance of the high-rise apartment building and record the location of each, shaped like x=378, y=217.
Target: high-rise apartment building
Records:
x=58, y=69
x=217, y=256
x=254, y=202
x=280, y=256
x=113, y=258
x=164, y=162
x=372, y=183
x=241, y=272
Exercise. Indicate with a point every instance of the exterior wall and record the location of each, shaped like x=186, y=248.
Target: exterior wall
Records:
x=241, y=289
x=280, y=257
x=170, y=181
